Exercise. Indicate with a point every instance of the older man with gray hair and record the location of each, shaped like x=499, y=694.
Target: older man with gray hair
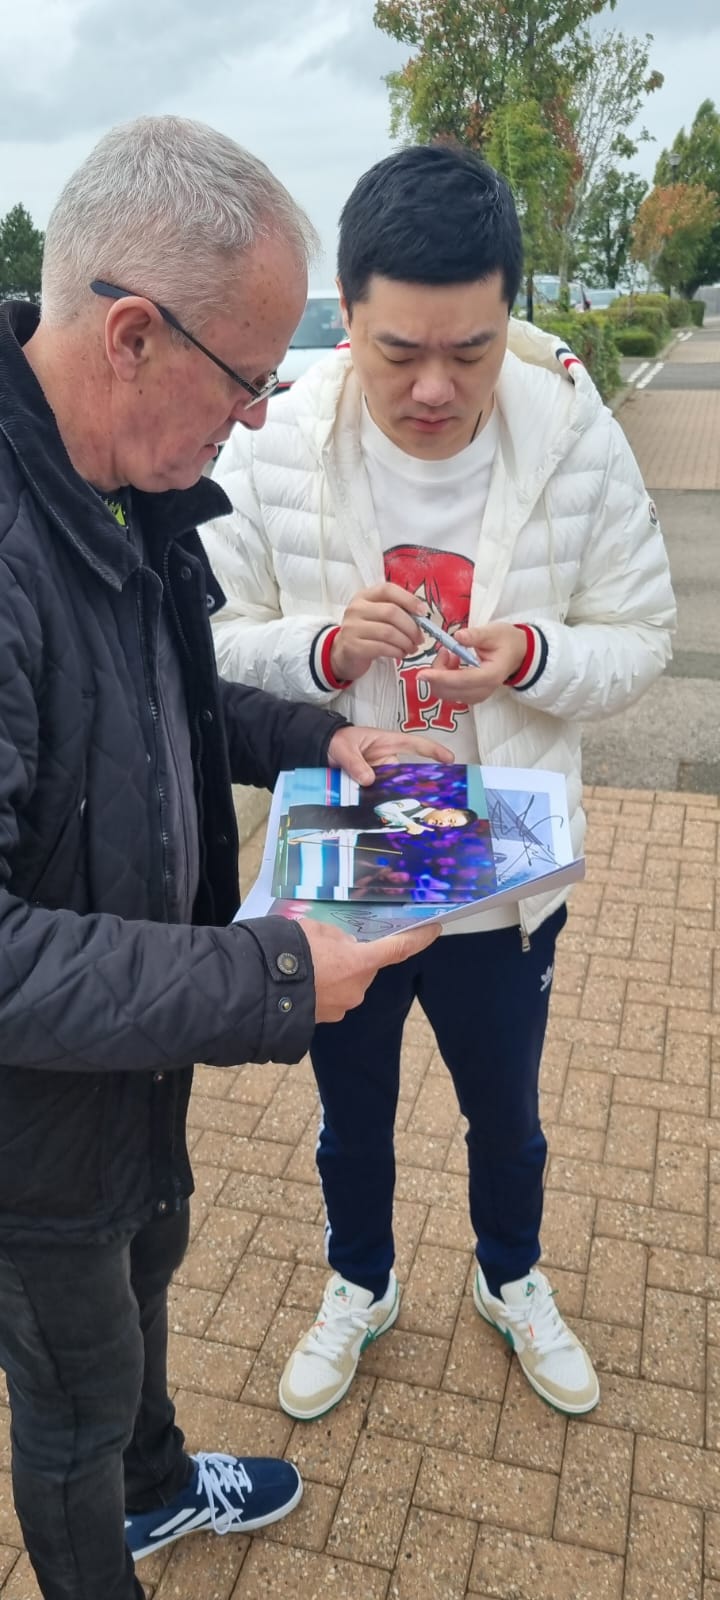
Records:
x=174, y=275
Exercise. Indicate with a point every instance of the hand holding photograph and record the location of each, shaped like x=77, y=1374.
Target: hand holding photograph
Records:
x=423, y=841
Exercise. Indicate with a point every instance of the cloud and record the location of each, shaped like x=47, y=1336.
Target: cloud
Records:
x=95, y=62
x=297, y=81
x=664, y=16
x=362, y=52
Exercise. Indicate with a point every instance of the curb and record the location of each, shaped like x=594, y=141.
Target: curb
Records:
x=617, y=400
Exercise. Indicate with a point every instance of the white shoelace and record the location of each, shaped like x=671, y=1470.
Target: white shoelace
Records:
x=218, y=1477
x=540, y=1321
x=334, y=1327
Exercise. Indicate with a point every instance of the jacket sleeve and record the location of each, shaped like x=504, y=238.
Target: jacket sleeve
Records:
x=615, y=639
x=267, y=736
x=254, y=643
x=98, y=993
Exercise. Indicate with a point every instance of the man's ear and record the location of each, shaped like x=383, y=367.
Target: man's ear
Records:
x=133, y=330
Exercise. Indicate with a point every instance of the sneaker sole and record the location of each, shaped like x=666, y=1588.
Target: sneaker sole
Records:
x=312, y=1416
x=565, y=1409
x=245, y=1527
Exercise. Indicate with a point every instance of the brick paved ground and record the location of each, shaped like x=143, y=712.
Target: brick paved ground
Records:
x=676, y=436
x=442, y=1475
x=675, y=433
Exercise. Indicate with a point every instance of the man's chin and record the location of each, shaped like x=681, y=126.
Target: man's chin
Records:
x=435, y=441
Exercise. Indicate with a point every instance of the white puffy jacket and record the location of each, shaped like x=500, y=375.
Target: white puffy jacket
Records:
x=569, y=541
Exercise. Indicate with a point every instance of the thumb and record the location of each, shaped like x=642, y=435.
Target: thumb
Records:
x=358, y=768
x=477, y=638
x=397, y=947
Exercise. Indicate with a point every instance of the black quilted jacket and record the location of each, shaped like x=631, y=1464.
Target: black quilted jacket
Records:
x=102, y=1002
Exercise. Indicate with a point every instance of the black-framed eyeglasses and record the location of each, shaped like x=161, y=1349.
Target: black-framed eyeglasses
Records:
x=112, y=291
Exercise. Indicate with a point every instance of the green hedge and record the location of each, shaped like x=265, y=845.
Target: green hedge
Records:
x=636, y=342
x=591, y=336
x=679, y=313
x=639, y=314
x=656, y=298
x=697, y=312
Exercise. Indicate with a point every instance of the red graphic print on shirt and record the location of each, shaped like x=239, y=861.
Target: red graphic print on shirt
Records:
x=444, y=581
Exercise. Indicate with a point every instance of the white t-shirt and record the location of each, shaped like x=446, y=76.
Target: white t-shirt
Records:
x=428, y=516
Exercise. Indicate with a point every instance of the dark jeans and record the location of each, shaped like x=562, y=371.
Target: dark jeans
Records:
x=83, y=1340
x=487, y=1001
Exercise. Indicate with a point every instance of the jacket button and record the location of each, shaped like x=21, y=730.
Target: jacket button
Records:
x=186, y=574
x=162, y=1208
x=222, y=838
x=207, y=715
x=285, y=1004
x=158, y=1077
x=287, y=963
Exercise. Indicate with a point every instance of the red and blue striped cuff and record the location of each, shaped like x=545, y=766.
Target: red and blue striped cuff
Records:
x=320, y=668
x=534, y=660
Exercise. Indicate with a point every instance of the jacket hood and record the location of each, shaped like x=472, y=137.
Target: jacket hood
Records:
x=545, y=397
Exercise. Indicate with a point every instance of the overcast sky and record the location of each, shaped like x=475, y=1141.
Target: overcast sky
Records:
x=297, y=81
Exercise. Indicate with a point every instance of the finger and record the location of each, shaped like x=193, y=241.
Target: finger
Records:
x=475, y=637
x=397, y=596
x=456, y=686
x=389, y=617
x=432, y=749
x=483, y=677
x=354, y=764
x=397, y=947
x=446, y=660
x=368, y=633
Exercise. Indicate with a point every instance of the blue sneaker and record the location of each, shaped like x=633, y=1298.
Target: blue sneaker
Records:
x=229, y=1494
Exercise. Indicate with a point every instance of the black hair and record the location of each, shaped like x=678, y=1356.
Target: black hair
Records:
x=432, y=214
x=464, y=811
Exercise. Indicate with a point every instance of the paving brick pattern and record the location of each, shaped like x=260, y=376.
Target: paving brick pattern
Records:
x=675, y=433
x=442, y=1475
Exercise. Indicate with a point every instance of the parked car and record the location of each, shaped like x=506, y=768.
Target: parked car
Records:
x=600, y=298
x=320, y=329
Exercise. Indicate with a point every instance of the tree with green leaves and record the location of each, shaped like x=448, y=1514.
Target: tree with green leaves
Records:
x=472, y=56
x=671, y=232
x=607, y=93
x=601, y=251
x=524, y=146
x=694, y=158
x=496, y=75
x=21, y=248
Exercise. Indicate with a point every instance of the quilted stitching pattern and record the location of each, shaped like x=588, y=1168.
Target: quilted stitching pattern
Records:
x=566, y=542
x=97, y=992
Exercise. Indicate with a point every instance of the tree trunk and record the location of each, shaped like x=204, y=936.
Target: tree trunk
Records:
x=530, y=297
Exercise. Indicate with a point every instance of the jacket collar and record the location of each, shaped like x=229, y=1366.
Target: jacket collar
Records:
x=71, y=505
x=545, y=402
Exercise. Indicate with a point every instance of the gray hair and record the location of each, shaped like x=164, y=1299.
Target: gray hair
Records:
x=161, y=206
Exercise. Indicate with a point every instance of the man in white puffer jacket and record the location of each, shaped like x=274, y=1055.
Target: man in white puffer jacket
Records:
x=451, y=461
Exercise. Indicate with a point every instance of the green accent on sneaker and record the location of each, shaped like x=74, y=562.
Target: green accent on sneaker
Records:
x=374, y=1333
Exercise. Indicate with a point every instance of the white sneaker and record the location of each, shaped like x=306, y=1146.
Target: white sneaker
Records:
x=324, y=1362
x=550, y=1354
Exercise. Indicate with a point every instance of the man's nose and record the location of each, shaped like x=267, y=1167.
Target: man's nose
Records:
x=433, y=386
x=251, y=416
